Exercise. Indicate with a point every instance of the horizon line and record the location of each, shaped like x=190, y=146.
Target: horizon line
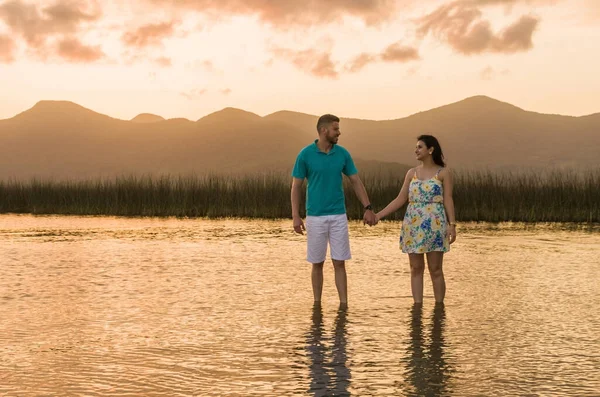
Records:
x=473, y=97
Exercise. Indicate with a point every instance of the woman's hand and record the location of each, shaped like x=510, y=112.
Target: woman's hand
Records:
x=451, y=233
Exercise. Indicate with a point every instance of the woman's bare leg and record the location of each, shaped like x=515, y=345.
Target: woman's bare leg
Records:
x=434, y=263
x=417, y=267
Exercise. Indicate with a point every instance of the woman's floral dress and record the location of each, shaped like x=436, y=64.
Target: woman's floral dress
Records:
x=424, y=225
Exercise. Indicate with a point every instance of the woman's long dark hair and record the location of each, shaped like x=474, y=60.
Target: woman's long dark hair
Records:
x=431, y=142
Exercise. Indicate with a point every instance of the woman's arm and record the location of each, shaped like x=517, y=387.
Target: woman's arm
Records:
x=448, y=184
x=399, y=201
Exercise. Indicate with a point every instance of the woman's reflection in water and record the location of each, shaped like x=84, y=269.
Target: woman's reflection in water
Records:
x=427, y=367
x=329, y=374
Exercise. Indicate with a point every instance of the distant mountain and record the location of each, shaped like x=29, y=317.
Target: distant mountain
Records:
x=147, y=118
x=57, y=139
x=229, y=115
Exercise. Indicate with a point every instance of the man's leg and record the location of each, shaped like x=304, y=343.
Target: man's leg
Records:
x=339, y=242
x=317, y=235
x=317, y=281
x=341, y=281
x=417, y=267
x=434, y=262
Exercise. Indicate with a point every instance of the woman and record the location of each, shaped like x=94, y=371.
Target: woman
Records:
x=429, y=225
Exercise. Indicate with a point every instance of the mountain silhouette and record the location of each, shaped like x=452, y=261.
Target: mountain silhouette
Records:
x=147, y=118
x=60, y=139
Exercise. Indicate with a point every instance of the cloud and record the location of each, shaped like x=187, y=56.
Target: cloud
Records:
x=518, y=36
x=148, y=35
x=35, y=23
x=283, y=13
x=489, y=73
x=194, y=94
x=164, y=62
x=461, y=26
x=311, y=61
x=396, y=52
x=73, y=50
x=7, y=49
x=399, y=53
x=360, y=62
x=225, y=91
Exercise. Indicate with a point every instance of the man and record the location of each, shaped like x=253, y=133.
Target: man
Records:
x=322, y=164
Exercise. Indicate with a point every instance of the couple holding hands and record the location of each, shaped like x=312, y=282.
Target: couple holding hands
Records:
x=428, y=227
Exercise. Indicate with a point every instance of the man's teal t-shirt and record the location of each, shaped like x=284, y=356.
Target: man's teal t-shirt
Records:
x=323, y=172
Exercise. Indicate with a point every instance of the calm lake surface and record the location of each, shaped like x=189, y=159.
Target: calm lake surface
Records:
x=165, y=307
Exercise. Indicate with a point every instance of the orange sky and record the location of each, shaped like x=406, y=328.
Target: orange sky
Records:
x=375, y=59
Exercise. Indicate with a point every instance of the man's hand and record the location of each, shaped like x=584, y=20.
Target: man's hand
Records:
x=369, y=218
x=299, y=226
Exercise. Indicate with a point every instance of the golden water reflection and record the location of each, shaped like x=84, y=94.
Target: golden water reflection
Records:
x=193, y=307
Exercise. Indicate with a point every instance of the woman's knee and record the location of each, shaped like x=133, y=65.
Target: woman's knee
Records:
x=417, y=268
x=435, y=270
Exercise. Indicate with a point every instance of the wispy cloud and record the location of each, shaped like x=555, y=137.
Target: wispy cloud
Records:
x=360, y=62
x=7, y=49
x=396, y=52
x=194, y=94
x=164, y=62
x=149, y=34
x=314, y=62
x=36, y=23
x=283, y=13
x=73, y=50
x=461, y=25
x=489, y=73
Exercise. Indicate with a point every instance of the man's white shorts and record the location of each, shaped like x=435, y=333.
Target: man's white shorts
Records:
x=332, y=229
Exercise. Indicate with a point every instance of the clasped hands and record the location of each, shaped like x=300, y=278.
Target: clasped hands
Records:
x=369, y=218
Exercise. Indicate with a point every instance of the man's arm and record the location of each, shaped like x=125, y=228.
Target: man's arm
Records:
x=361, y=193
x=295, y=197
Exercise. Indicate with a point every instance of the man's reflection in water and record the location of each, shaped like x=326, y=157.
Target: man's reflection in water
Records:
x=427, y=368
x=329, y=374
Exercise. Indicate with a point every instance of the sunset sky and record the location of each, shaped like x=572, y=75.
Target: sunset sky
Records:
x=375, y=59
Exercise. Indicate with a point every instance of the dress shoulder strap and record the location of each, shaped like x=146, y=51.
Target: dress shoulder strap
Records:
x=438, y=171
x=415, y=173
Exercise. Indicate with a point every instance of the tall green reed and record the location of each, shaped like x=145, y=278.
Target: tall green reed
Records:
x=554, y=196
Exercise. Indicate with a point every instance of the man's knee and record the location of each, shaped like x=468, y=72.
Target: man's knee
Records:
x=337, y=264
x=318, y=265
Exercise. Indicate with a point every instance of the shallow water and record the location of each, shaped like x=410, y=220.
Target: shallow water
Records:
x=166, y=307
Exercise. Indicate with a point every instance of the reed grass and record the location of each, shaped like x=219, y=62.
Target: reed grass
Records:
x=555, y=196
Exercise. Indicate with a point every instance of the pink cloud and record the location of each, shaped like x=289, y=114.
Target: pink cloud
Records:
x=7, y=49
x=396, y=52
x=36, y=23
x=148, y=35
x=461, y=26
x=73, y=50
x=318, y=64
x=164, y=62
x=399, y=53
x=194, y=94
x=360, y=62
x=293, y=12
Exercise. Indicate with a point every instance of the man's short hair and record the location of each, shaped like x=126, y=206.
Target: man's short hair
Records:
x=325, y=120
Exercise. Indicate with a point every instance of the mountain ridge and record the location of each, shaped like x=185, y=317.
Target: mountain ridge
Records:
x=60, y=139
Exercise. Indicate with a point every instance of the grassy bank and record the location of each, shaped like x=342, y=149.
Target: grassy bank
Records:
x=560, y=196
